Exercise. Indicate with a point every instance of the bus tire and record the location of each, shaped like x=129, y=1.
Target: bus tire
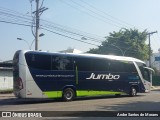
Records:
x=117, y=95
x=133, y=92
x=68, y=94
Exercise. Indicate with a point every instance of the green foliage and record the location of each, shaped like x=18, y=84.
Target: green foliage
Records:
x=6, y=91
x=156, y=81
x=156, y=72
x=126, y=42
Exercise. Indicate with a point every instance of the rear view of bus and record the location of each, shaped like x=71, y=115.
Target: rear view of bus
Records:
x=17, y=81
x=23, y=83
x=19, y=75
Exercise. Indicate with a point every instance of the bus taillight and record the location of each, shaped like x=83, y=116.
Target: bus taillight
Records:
x=20, y=83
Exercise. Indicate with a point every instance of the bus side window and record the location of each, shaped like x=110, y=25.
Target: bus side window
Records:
x=62, y=63
x=83, y=64
x=38, y=61
x=144, y=72
x=122, y=66
x=116, y=66
x=99, y=65
x=130, y=67
x=146, y=75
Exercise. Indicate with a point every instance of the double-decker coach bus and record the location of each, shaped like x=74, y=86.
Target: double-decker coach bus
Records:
x=38, y=74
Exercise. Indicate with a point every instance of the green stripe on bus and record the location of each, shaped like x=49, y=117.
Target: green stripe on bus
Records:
x=58, y=94
x=96, y=93
x=53, y=94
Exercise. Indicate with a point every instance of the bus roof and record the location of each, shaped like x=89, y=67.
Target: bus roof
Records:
x=114, y=57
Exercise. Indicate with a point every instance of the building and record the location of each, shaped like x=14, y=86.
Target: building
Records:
x=70, y=50
x=155, y=60
x=6, y=75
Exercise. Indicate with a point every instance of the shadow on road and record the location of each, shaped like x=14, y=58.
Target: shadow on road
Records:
x=133, y=106
x=16, y=101
x=105, y=97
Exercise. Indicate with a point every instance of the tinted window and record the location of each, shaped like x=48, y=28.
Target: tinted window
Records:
x=121, y=66
x=146, y=75
x=129, y=67
x=62, y=62
x=38, y=61
x=144, y=72
x=83, y=64
x=99, y=65
x=91, y=64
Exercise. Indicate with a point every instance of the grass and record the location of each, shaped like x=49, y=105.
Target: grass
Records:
x=6, y=91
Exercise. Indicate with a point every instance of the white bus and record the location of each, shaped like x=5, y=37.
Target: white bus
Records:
x=38, y=74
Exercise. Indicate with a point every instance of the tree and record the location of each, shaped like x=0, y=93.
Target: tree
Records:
x=125, y=42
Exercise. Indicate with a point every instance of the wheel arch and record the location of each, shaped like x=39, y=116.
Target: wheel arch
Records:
x=136, y=87
x=70, y=86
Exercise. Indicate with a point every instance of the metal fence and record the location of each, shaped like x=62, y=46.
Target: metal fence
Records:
x=156, y=81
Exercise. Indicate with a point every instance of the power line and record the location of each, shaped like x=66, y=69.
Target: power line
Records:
x=51, y=32
x=112, y=17
x=72, y=29
x=14, y=23
x=60, y=29
x=51, y=26
x=68, y=36
x=93, y=16
x=16, y=18
x=84, y=41
x=48, y=31
x=100, y=15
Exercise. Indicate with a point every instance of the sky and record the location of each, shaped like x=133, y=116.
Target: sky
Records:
x=91, y=18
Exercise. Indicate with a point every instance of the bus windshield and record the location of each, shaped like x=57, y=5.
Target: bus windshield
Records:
x=145, y=72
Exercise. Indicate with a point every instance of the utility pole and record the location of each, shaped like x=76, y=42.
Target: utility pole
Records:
x=37, y=25
x=150, y=46
x=37, y=13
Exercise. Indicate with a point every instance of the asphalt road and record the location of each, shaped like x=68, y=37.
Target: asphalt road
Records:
x=142, y=102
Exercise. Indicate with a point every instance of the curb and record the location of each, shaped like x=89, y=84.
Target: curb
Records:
x=155, y=88
x=6, y=95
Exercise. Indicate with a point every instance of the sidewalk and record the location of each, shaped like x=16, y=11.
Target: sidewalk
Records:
x=7, y=95
x=155, y=88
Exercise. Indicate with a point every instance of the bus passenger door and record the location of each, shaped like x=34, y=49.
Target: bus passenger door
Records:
x=116, y=69
x=147, y=75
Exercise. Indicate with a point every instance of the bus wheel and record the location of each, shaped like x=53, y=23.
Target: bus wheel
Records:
x=68, y=94
x=133, y=92
x=117, y=95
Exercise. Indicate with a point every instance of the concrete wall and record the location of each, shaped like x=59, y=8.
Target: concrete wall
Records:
x=6, y=79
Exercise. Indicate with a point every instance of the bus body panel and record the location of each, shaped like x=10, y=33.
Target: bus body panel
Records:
x=57, y=80
x=43, y=83
x=30, y=88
